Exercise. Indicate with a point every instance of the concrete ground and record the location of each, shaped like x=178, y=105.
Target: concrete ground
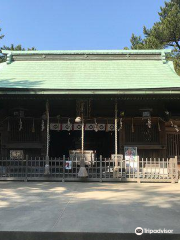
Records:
x=88, y=207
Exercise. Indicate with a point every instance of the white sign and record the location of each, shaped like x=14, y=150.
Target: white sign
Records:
x=131, y=157
x=68, y=165
x=16, y=154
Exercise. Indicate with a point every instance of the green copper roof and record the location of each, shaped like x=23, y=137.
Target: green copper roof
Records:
x=124, y=74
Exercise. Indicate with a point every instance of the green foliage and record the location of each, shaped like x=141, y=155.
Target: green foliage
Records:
x=17, y=48
x=12, y=48
x=1, y=36
x=164, y=33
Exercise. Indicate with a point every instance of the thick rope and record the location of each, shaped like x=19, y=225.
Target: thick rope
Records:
x=47, y=116
x=82, y=137
x=116, y=137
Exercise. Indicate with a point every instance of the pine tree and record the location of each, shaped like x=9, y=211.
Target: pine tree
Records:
x=12, y=48
x=17, y=48
x=164, y=33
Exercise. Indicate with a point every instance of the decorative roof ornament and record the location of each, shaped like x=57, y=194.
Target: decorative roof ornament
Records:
x=163, y=57
x=9, y=58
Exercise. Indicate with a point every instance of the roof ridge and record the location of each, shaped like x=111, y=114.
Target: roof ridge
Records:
x=158, y=51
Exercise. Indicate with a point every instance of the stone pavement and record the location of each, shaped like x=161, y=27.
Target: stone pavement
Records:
x=88, y=207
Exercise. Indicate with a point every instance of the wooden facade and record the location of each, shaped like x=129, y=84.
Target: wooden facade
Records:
x=161, y=139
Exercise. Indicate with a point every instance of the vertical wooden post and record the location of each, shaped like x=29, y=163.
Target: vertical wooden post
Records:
x=116, y=170
x=64, y=159
x=138, y=178
x=100, y=168
x=47, y=140
x=26, y=169
x=174, y=170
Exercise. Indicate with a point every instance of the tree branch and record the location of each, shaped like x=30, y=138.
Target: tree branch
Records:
x=177, y=44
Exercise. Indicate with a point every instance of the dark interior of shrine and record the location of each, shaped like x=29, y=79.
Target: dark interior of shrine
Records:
x=63, y=141
x=101, y=109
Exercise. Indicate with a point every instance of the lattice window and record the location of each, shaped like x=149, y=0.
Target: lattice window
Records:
x=173, y=144
x=27, y=134
x=142, y=134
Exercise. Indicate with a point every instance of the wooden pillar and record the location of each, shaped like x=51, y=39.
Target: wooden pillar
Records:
x=116, y=170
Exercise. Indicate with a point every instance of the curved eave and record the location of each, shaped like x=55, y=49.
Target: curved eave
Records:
x=90, y=92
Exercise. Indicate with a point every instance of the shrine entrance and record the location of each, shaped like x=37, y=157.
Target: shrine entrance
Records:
x=61, y=142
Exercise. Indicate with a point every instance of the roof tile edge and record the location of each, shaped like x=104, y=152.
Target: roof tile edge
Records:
x=72, y=52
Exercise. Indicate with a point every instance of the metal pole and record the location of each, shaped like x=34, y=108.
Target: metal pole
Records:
x=100, y=168
x=47, y=139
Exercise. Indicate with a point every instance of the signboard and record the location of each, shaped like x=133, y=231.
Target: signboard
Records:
x=68, y=165
x=16, y=154
x=131, y=158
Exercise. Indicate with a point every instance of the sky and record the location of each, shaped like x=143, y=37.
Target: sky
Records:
x=75, y=24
